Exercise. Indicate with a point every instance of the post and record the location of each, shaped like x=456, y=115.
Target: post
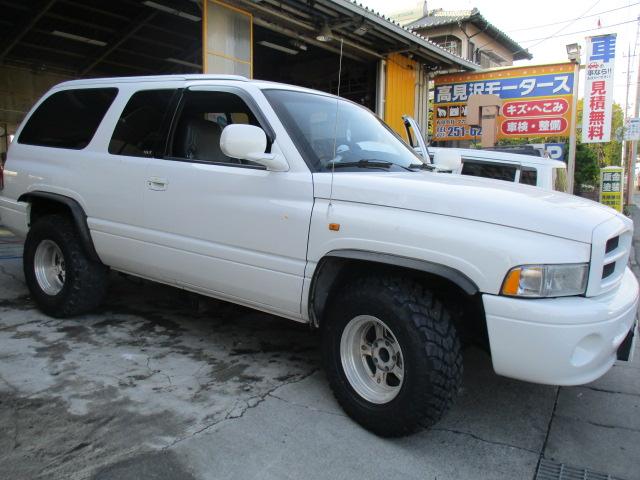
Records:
x=571, y=159
x=631, y=172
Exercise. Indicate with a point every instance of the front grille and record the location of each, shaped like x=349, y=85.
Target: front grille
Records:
x=608, y=269
x=612, y=244
x=609, y=256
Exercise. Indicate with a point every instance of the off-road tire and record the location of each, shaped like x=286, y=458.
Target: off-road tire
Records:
x=86, y=280
x=430, y=346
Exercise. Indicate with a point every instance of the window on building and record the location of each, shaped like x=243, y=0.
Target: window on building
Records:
x=228, y=40
x=529, y=176
x=203, y=116
x=471, y=51
x=497, y=171
x=68, y=119
x=138, y=131
x=449, y=43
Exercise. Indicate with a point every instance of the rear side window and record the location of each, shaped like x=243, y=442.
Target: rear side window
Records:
x=529, y=176
x=68, y=119
x=489, y=170
x=138, y=132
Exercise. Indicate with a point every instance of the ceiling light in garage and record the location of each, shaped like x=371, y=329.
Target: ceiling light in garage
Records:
x=325, y=35
x=281, y=48
x=78, y=38
x=182, y=62
x=172, y=11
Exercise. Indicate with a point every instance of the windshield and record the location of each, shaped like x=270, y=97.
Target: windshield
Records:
x=359, y=139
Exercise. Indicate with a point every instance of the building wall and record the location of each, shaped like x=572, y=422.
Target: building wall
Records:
x=400, y=91
x=480, y=39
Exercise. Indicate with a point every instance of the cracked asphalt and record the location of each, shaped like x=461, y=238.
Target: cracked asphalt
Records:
x=160, y=384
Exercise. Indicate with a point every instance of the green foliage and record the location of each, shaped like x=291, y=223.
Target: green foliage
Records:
x=587, y=167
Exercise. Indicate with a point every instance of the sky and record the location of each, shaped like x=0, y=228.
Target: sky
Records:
x=529, y=23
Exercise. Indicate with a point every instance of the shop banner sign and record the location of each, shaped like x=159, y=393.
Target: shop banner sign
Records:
x=632, y=129
x=598, y=93
x=611, y=187
x=537, y=101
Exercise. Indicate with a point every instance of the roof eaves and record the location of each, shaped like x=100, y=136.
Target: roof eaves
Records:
x=395, y=27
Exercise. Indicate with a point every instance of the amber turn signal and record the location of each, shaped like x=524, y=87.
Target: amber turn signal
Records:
x=512, y=282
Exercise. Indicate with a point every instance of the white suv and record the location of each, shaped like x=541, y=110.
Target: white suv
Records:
x=305, y=205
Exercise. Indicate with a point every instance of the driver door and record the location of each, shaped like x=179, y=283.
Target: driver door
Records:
x=221, y=226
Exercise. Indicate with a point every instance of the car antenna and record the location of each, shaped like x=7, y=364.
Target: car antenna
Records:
x=335, y=128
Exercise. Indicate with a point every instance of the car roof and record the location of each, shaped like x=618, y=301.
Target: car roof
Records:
x=191, y=79
x=492, y=155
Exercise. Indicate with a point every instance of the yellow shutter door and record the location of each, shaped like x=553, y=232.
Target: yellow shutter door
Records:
x=400, y=91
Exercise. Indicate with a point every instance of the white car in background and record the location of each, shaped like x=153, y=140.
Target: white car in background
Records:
x=500, y=165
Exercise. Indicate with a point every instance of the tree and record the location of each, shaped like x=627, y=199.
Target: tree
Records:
x=587, y=167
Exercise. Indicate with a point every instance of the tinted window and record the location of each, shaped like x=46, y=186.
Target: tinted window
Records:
x=529, y=176
x=489, y=170
x=68, y=119
x=202, y=117
x=139, y=130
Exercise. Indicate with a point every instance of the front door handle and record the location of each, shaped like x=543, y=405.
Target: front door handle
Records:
x=157, y=183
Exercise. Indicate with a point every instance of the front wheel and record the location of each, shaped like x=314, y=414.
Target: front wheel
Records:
x=391, y=354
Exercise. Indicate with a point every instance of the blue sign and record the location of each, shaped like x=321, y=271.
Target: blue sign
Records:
x=523, y=87
x=603, y=48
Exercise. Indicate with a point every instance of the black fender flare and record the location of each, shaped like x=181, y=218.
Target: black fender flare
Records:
x=455, y=276
x=77, y=212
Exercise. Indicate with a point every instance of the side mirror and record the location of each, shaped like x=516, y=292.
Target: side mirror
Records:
x=248, y=142
x=448, y=160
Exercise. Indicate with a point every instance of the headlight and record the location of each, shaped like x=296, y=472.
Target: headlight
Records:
x=536, y=281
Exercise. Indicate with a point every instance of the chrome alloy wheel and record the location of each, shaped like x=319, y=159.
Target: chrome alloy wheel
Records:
x=48, y=263
x=372, y=359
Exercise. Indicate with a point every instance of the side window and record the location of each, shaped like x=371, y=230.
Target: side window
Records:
x=68, y=119
x=560, y=181
x=529, y=176
x=201, y=119
x=489, y=170
x=138, y=131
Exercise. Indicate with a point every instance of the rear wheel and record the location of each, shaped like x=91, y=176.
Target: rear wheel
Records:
x=62, y=279
x=391, y=354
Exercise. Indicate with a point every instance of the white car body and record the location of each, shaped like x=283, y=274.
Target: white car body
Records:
x=542, y=172
x=256, y=237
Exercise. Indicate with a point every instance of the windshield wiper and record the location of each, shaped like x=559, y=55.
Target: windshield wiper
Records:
x=423, y=166
x=364, y=163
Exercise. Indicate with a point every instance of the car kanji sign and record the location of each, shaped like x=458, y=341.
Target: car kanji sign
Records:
x=536, y=101
x=598, y=93
x=611, y=181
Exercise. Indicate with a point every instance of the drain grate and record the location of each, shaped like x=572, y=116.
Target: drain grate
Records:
x=549, y=470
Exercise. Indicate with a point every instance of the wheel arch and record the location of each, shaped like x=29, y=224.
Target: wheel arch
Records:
x=42, y=203
x=336, y=264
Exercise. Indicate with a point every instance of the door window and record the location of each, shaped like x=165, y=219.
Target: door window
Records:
x=200, y=122
x=68, y=119
x=529, y=176
x=498, y=171
x=138, y=132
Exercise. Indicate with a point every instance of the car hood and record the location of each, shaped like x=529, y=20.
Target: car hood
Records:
x=484, y=200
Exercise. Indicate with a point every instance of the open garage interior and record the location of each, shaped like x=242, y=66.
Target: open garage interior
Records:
x=282, y=59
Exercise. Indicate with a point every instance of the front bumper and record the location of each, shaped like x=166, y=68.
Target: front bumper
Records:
x=560, y=341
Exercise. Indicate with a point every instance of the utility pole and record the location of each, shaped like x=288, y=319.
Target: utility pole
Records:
x=631, y=172
x=571, y=159
x=633, y=151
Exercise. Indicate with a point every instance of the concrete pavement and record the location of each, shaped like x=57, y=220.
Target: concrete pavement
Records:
x=158, y=386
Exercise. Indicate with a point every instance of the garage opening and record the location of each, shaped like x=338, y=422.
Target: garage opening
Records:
x=281, y=59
